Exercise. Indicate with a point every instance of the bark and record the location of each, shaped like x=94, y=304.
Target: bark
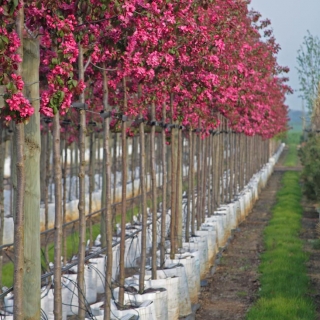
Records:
x=208, y=176
x=64, y=206
x=193, y=212
x=189, y=187
x=154, y=194
x=82, y=204
x=232, y=164
x=46, y=198
x=217, y=171
x=179, y=190
x=32, y=146
x=143, y=207
x=108, y=212
x=199, y=194
x=91, y=181
x=133, y=174
x=71, y=169
x=57, y=218
x=123, y=201
x=2, y=159
x=164, y=190
x=173, y=226
x=114, y=167
x=43, y=166
x=76, y=168
x=222, y=162
x=18, y=312
x=104, y=181
x=203, y=179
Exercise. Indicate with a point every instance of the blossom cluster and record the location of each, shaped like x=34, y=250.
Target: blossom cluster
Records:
x=198, y=59
x=16, y=106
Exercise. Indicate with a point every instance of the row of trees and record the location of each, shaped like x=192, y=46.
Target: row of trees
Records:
x=181, y=63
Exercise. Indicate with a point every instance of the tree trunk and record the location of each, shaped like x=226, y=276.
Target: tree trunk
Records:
x=43, y=167
x=123, y=200
x=143, y=207
x=18, y=312
x=64, y=209
x=107, y=211
x=164, y=190
x=71, y=169
x=57, y=218
x=154, y=194
x=103, y=225
x=46, y=192
x=173, y=226
x=32, y=145
x=2, y=159
x=82, y=195
x=189, y=187
x=179, y=190
x=91, y=181
x=199, y=194
x=114, y=167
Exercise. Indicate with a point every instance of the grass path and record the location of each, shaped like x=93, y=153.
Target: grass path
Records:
x=284, y=282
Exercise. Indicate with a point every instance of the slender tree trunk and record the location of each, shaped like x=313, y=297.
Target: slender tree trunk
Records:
x=71, y=169
x=143, y=207
x=209, y=172
x=154, y=193
x=108, y=212
x=58, y=218
x=64, y=208
x=43, y=166
x=203, y=179
x=216, y=152
x=179, y=190
x=82, y=202
x=193, y=137
x=190, y=191
x=2, y=159
x=91, y=181
x=46, y=192
x=103, y=226
x=164, y=190
x=18, y=311
x=76, y=168
x=173, y=226
x=222, y=162
x=199, y=193
x=32, y=147
x=133, y=167
x=115, y=158
x=123, y=200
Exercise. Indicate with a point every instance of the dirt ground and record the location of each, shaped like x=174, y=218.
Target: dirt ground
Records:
x=234, y=286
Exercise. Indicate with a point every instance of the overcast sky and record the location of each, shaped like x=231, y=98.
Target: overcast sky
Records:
x=290, y=20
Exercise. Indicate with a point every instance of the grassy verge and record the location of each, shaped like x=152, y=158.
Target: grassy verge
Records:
x=284, y=280
x=292, y=141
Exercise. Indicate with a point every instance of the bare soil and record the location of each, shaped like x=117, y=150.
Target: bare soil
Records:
x=234, y=286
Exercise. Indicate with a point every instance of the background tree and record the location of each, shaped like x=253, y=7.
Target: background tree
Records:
x=309, y=68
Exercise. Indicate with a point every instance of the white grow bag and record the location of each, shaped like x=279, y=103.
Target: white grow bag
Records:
x=171, y=284
x=184, y=298
x=159, y=297
x=192, y=272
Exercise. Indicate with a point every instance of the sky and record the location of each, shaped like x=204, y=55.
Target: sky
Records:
x=290, y=20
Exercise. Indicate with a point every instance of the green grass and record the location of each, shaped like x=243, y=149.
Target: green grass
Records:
x=284, y=281
x=293, y=139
